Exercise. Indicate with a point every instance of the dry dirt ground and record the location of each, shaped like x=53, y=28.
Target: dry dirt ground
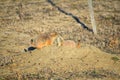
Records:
x=98, y=58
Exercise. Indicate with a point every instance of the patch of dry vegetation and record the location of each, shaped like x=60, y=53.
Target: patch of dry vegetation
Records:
x=20, y=21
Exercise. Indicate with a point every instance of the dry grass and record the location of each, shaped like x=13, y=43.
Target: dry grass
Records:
x=18, y=25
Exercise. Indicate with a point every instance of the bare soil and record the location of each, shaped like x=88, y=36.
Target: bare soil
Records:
x=98, y=58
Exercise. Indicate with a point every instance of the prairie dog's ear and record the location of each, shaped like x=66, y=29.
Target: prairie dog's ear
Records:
x=32, y=42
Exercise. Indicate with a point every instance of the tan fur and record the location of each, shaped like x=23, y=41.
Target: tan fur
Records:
x=46, y=39
x=71, y=43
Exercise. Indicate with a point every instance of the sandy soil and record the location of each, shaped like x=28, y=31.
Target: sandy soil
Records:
x=98, y=58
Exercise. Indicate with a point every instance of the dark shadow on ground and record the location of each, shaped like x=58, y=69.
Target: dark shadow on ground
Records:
x=29, y=49
x=70, y=14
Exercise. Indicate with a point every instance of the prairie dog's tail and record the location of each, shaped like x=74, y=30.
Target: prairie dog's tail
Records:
x=78, y=44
